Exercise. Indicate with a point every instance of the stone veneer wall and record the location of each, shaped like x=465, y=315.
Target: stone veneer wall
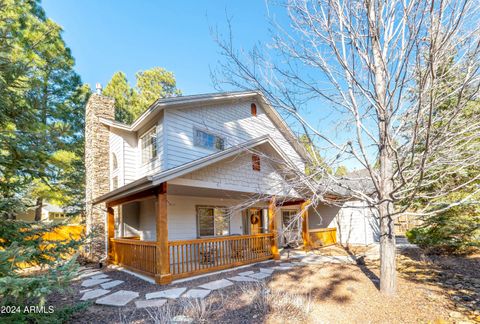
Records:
x=97, y=163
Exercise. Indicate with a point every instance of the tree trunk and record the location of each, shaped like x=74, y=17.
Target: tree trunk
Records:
x=38, y=209
x=388, y=273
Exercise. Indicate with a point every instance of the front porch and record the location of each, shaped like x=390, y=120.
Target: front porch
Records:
x=156, y=233
x=158, y=250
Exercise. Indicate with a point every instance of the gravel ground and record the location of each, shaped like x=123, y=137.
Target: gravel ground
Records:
x=430, y=289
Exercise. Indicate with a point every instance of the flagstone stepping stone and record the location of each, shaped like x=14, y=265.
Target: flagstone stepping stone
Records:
x=150, y=303
x=119, y=298
x=245, y=273
x=182, y=319
x=267, y=270
x=93, y=282
x=287, y=265
x=169, y=293
x=242, y=279
x=197, y=293
x=94, y=294
x=85, y=290
x=260, y=275
x=111, y=284
x=282, y=268
x=217, y=284
x=100, y=276
x=88, y=274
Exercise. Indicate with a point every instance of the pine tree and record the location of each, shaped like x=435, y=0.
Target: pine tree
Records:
x=150, y=85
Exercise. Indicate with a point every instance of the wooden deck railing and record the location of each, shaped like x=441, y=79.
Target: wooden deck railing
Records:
x=192, y=257
x=135, y=255
x=323, y=236
x=198, y=256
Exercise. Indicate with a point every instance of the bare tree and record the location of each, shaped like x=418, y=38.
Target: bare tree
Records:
x=384, y=67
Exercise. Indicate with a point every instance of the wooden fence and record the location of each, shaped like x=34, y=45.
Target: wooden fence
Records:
x=192, y=257
x=323, y=237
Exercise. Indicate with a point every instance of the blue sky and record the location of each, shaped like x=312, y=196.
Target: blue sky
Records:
x=108, y=36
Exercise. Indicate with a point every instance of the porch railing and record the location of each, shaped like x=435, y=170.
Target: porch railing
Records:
x=323, y=236
x=192, y=257
x=135, y=255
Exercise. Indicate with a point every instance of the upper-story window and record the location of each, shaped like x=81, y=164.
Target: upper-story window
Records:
x=207, y=140
x=114, y=162
x=149, y=145
x=253, y=109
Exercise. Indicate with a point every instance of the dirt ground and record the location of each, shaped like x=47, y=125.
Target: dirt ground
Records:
x=430, y=290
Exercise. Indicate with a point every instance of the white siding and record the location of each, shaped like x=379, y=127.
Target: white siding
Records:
x=130, y=157
x=236, y=174
x=355, y=223
x=116, y=147
x=233, y=122
x=156, y=165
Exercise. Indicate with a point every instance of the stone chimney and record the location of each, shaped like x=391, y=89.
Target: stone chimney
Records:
x=97, y=165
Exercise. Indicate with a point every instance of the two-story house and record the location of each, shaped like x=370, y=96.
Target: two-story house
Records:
x=195, y=184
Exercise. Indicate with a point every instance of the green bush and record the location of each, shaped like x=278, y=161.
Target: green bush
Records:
x=456, y=230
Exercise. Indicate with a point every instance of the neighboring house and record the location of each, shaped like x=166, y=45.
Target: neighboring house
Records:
x=50, y=213
x=198, y=183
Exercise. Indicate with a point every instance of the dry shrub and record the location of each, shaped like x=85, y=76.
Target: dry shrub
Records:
x=276, y=303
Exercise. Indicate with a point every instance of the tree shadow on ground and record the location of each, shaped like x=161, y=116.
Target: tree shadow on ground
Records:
x=458, y=277
x=360, y=262
x=328, y=287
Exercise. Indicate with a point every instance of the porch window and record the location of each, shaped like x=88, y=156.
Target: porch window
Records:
x=288, y=216
x=207, y=140
x=149, y=145
x=212, y=221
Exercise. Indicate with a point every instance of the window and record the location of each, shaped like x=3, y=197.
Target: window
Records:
x=114, y=183
x=207, y=140
x=149, y=145
x=212, y=221
x=253, y=109
x=56, y=215
x=114, y=162
x=288, y=216
x=255, y=162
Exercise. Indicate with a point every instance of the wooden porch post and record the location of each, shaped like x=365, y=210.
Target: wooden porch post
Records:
x=305, y=233
x=272, y=226
x=163, y=275
x=110, y=232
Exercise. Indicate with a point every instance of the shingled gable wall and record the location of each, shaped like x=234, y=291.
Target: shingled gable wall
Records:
x=97, y=163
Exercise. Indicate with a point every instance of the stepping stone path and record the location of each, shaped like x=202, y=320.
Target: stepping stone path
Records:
x=197, y=293
x=94, y=294
x=260, y=275
x=267, y=270
x=93, y=282
x=111, y=284
x=100, y=276
x=119, y=298
x=150, y=303
x=242, y=279
x=169, y=293
x=246, y=273
x=217, y=284
x=88, y=274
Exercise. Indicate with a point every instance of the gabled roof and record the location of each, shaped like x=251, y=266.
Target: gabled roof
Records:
x=215, y=98
x=152, y=181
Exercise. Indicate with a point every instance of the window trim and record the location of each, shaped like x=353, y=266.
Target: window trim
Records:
x=195, y=129
x=114, y=162
x=290, y=210
x=154, y=128
x=197, y=207
x=256, y=164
